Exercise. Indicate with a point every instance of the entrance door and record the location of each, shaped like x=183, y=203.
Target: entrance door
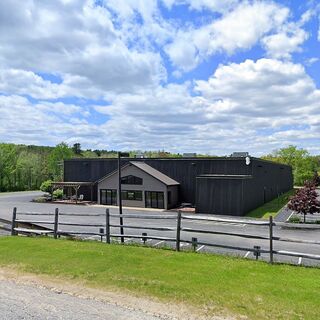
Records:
x=108, y=196
x=154, y=199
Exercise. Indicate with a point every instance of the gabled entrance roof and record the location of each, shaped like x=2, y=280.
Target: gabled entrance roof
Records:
x=155, y=173
x=149, y=170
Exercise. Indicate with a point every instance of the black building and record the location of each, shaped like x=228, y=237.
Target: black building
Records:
x=228, y=185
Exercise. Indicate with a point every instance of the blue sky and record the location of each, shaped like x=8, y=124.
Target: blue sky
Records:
x=207, y=76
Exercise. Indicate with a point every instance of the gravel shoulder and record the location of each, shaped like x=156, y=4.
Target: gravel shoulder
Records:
x=28, y=296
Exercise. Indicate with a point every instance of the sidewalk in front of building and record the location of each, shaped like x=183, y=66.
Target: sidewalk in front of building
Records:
x=284, y=214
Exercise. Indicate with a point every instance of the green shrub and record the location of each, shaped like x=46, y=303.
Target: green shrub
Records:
x=46, y=186
x=58, y=194
x=294, y=220
x=40, y=199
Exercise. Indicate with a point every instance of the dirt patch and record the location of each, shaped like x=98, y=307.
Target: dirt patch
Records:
x=150, y=306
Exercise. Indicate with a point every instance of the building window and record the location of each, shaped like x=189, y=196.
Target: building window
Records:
x=131, y=195
x=131, y=180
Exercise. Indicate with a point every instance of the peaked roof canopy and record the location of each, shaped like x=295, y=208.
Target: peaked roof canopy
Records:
x=149, y=170
x=154, y=173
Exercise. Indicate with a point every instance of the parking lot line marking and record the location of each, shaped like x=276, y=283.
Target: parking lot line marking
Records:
x=158, y=243
x=91, y=238
x=147, y=240
x=184, y=244
x=235, y=224
x=200, y=248
x=247, y=254
x=299, y=261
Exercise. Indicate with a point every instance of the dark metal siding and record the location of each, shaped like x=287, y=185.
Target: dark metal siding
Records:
x=269, y=181
x=219, y=196
x=275, y=177
x=184, y=171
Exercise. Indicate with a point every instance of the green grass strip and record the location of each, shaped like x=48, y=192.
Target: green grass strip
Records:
x=254, y=289
x=271, y=208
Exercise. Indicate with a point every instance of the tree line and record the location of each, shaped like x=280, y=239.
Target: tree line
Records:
x=304, y=165
x=25, y=167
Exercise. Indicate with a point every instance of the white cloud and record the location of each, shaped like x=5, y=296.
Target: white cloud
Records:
x=282, y=44
x=213, y=5
x=111, y=53
x=22, y=82
x=76, y=38
x=289, y=38
x=243, y=27
x=256, y=106
x=183, y=53
x=238, y=29
x=265, y=96
x=267, y=88
x=311, y=61
x=42, y=123
x=13, y=81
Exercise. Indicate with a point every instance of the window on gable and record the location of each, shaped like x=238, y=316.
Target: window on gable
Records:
x=131, y=180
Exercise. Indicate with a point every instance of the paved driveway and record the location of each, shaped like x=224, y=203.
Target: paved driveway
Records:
x=22, y=202
x=21, y=301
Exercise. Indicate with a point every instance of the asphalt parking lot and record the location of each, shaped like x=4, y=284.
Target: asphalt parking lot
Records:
x=23, y=202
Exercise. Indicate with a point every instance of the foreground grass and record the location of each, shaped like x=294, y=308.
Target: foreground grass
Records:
x=218, y=283
x=271, y=208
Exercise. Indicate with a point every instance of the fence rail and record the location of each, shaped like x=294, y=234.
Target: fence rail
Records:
x=176, y=230
x=141, y=216
x=225, y=220
x=36, y=214
x=82, y=214
x=34, y=221
x=298, y=226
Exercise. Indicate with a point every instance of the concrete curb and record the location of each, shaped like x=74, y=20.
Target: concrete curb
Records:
x=302, y=227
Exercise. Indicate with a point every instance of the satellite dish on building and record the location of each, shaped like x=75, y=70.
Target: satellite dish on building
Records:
x=248, y=160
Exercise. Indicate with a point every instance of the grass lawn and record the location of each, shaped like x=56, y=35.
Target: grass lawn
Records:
x=271, y=208
x=218, y=283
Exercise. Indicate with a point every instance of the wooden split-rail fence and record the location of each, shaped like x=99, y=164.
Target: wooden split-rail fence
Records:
x=37, y=227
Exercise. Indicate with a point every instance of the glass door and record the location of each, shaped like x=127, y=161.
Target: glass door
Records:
x=108, y=197
x=154, y=199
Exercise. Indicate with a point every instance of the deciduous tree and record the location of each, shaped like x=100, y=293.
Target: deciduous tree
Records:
x=305, y=201
x=303, y=164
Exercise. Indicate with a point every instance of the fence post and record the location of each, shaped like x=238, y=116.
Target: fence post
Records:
x=56, y=222
x=271, y=238
x=194, y=243
x=13, y=223
x=101, y=231
x=178, y=231
x=144, y=237
x=107, y=226
x=257, y=252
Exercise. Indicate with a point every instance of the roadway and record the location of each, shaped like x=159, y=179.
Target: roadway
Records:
x=22, y=200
